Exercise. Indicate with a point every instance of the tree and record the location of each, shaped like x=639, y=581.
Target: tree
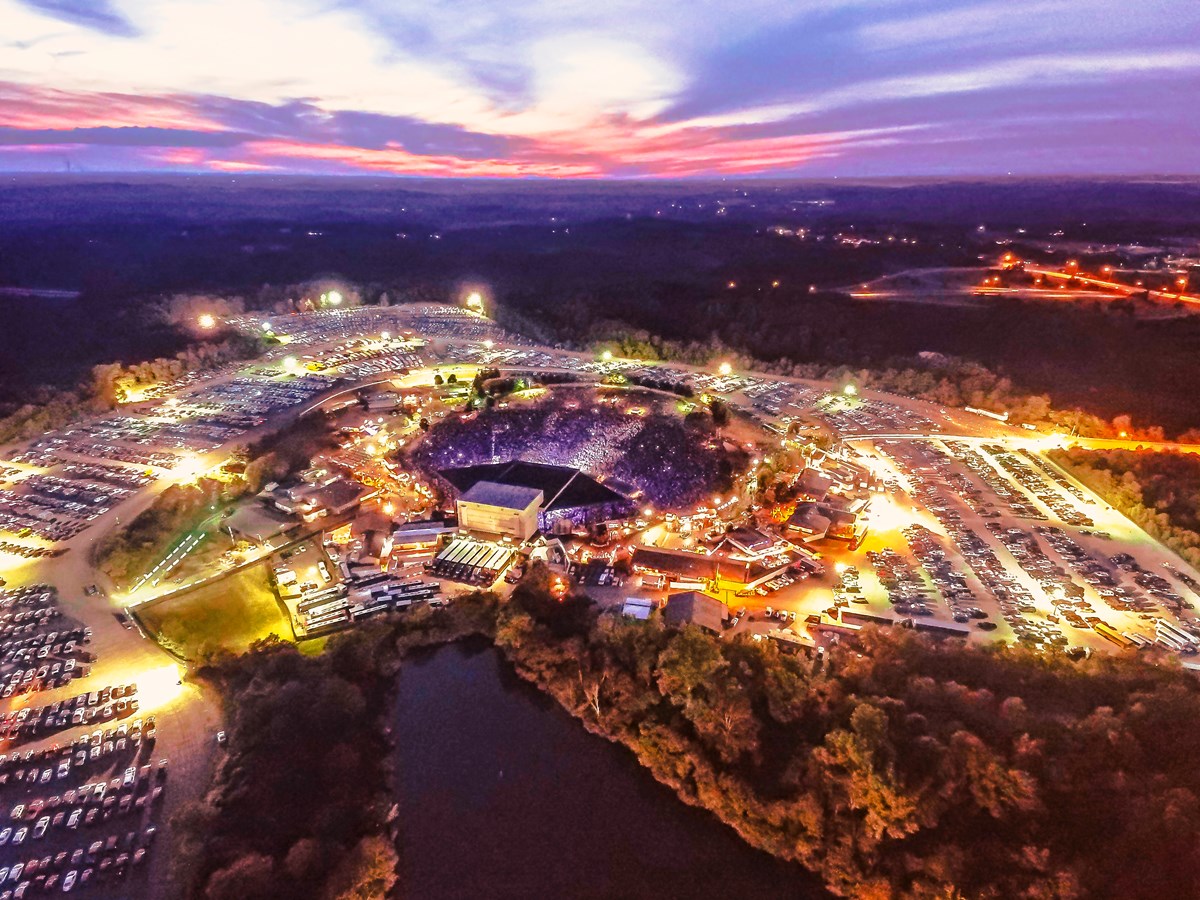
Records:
x=859, y=774
x=720, y=413
x=591, y=686
x=687, y=665
x=249, y=877
x=726, y=720
x=305, y=860
x=367, y=873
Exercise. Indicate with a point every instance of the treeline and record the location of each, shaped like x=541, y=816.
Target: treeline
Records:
x=287, y=451
x=302, y=799
x=48, y=409
x=127, y=553
x=111, y=383
x=1160, y=492
x=1068, y=363
x=934, y=377
x=901, y=767
x=114, y=383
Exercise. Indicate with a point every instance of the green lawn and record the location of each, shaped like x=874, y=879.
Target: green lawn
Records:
x=230, y=614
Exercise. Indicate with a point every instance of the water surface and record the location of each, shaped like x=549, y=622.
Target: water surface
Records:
x=503, y=794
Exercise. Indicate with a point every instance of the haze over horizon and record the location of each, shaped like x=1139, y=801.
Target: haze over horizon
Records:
x=849, y=88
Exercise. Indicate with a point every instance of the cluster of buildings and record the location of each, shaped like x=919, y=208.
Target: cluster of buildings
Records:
x=505, y=508
x=833, y=494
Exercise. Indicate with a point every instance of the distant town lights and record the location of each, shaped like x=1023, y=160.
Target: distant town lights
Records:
x=207, y=321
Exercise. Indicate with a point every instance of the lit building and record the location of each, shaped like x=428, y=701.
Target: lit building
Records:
x=570, y=498
x=500, y=509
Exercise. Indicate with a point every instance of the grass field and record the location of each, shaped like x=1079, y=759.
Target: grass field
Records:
x=228, y=615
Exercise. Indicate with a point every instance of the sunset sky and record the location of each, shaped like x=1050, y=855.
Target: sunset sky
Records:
x=614, y=88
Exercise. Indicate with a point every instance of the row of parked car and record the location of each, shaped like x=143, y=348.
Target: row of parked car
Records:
x=38, y=767
x=68, y=869
x=82, y=709
x=940, y=487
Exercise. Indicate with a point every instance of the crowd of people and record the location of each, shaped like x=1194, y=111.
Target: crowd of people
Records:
x=624, y=437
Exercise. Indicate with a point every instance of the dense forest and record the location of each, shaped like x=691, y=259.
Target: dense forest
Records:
x=898, y=767
x=301, y=800
x=1158, y=491
x=894, y=766
x=587, y=263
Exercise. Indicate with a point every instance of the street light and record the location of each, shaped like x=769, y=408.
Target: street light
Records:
x=475, y=301
x=207, y=321
x=606, y=356
x=725, y=369
x=335, y=298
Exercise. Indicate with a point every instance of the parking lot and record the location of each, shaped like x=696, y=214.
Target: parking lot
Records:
x=77, y=812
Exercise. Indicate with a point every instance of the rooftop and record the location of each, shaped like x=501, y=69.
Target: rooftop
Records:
x=695, y=608
x=505, y=496
x=562, y=487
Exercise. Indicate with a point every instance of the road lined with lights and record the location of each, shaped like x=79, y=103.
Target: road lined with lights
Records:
x=1120, y=287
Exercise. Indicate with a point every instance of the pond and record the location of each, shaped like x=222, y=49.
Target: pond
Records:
x=503, y=794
